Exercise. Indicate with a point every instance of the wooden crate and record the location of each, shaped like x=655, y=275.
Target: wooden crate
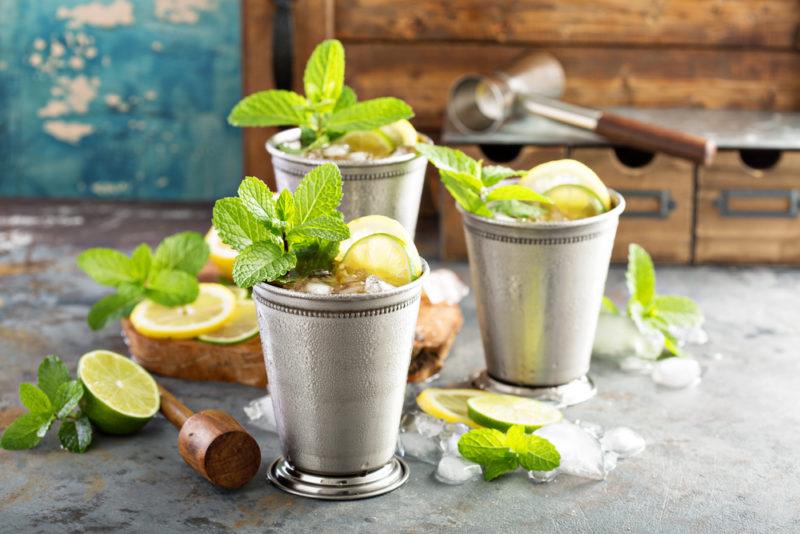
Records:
x=451, y=232
x=659, y=192
x=747, y=214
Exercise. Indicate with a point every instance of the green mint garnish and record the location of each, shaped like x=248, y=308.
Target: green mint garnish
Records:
x=55, y=398
x=474, y=186
x=168, y=276
x=294, y=233
x=328, y=109
x=500, y=453
x=648, y=309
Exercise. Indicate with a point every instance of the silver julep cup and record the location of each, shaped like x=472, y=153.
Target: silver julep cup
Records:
x=538, y=289
x=390, y=186
x=337, y=367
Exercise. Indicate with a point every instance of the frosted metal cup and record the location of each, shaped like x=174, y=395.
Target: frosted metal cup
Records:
x=390, y=186
x=538, y=289
x=337, y=367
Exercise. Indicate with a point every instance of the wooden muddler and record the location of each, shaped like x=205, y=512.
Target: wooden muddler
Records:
x=213, y=443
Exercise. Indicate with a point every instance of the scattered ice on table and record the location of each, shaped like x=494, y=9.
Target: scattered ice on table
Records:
x=623, y=442
x=456, y=470
x=542, y=477
x=592, y=428
x=618, y=337
x=581, y=453
x=677, y=373
x=261, y=413
x=448, y=438
x=696, y=335
x=318, y=288
x=443, y=285
x=717, y=356
x=373, y=284
x=422, y=423
x=609, y=460
x=419, y=437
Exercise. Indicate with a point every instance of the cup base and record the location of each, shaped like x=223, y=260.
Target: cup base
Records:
x=574, y=392
x=338, y=488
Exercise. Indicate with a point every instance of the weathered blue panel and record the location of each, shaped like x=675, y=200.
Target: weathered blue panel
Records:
x=119, y=98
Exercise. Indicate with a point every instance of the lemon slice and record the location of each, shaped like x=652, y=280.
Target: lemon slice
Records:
x=401, y=133
x=380, y=224
x=241, y=327
x=220, y=254
x=121, y=397
x=373, y=142
x=381, y=255
x=502, y=411
x=214, y=306
x=548, y=176
x=576, y=201
x=239, y=292
x=448, y=404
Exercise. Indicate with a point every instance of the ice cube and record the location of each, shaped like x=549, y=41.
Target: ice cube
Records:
x=358, y=156
x=623, y=441
x=373, y=284
x=677, y=373
x=690, y=336
x=261, y=413
x=423, y=424
x=423, y=448
x=592, y=428
x=443, y=285
x=609, y=461
x=448, y=438
x=543, y=477
x=456, y=470
x=336, y=150
x=618, y=337
x=318, y=288
x=581, y=454
x=636, y=366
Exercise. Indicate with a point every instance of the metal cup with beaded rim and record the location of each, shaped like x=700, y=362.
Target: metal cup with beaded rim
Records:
x=390, y=186
x=337, y=367
x=538, y=289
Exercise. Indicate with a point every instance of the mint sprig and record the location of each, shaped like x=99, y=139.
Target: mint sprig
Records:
x=500, y=453
x=55, y=398
x=648, y=309
x=291, y=235
x=329, y=107
x=168, y=276
x=475, y=187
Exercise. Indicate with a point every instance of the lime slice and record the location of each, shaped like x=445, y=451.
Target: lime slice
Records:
x=381, y=255
x=220, y=254
x=448, y=404
x=241, y=327
x=401, y=133
x=548, y=176
x=373, y=142
x=214, y=306
x=121, y=397
x=380, y=224
x=576, y=201
x=503, y=411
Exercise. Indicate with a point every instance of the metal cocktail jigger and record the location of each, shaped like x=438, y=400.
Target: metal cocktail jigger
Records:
x=390, y=186
x=337, y=368
x=533, y=85
x=538, y=289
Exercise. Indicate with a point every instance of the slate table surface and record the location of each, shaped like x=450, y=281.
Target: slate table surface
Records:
x=720, y=457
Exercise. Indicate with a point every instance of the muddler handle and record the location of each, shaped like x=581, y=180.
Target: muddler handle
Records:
x=174, y=410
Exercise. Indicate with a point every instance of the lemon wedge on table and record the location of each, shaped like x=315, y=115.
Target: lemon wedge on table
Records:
x=373, y=142
x=448, y=404
x=548, y=177
x=220, y=254
x=214, y=306
x=241, y=327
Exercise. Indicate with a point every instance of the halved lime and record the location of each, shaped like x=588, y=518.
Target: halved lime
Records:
x=401, y=133
x=241, y=327
x=380, y=224
x=448, y=404
x=550, y=175
x=576, y=201
x=381, y=255
x=121, y=397
x=503, y=411
x=373, y=142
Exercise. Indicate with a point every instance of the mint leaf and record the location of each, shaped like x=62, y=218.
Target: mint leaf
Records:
x=51, y=374
x=237, y=227
x=34, y=399
x=324, y=74
x=284, y=206
x=327, y=227
x=184, y=251
x=516, y=438
x=67, y=398
x=316, y=255
x=369, y=114
x=483, y=445
x=539, y=455
x=172, y=288
x=346, y=99
x=449, y=159
x=640, y=276
x=494, y=174
x=608, y=306
x=261, y=262
x=517, y=209
x=463, y=193
x=500, y=466
x=270, y=108
x=141, y=260
x=257, y=198
x=516, y=192
x=76, y=436
x=114, y=306
x=677, y=311
x=318, y=194
x=106, y=266
x=26, y=431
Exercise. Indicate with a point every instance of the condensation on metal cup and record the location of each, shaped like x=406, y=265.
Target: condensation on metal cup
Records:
x=337, y=367
x=391, y=186
x=538, y=289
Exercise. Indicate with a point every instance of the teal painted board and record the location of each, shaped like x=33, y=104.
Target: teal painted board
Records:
x=119, y=98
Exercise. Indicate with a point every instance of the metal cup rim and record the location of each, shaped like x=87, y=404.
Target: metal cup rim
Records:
x=293, y=134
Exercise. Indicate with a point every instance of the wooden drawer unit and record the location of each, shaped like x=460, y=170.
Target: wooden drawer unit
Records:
x=659, y=192
x=451, y=232
x=748, y=208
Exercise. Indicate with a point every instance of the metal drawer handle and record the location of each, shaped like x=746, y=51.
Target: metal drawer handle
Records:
x=665, y=202
x=791, y=195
